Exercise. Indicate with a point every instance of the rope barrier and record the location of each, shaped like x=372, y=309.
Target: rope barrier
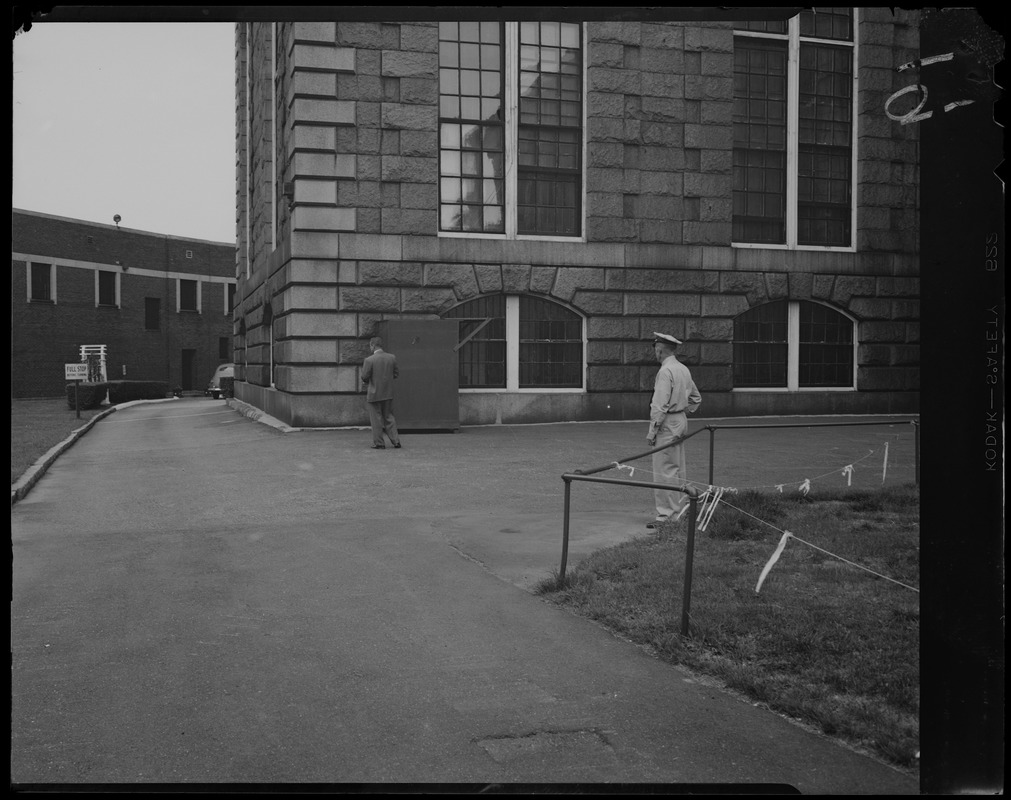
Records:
x=846, y=471
x=788, y=535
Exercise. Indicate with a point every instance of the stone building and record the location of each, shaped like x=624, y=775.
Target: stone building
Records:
x=161, y=305
x=565, y=188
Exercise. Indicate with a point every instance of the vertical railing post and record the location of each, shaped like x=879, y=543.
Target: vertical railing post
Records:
x=712, y=450
x=565, y=532
x=686, y=598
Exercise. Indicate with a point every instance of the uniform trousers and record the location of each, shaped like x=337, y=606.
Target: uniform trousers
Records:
x=669, y=465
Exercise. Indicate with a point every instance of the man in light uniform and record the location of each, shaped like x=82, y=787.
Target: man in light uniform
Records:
x=674, y=395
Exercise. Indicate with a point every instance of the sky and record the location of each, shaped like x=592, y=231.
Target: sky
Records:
x=135, y=119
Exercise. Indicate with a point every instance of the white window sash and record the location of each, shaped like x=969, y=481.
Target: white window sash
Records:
x=510, y=78
x=512, y=325
x=512, y=357
x=792, y=345
x=511, y=65
x=793, y=357
x=793, y=40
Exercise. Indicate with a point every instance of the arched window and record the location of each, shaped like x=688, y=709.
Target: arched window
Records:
x=515, y=342
x=794, y=345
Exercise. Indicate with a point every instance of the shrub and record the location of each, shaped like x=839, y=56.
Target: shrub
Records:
x=125, y=391
x=88, y=395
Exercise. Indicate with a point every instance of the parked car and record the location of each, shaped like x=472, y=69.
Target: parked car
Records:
x=214, y=388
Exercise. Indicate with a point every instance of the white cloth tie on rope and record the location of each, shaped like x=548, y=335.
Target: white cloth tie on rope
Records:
x=848, y=472
x=631, y=470
x=772, y=561
x=805, y=487
x=707, y=513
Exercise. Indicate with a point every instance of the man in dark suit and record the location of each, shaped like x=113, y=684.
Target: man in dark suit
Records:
x=378, y=374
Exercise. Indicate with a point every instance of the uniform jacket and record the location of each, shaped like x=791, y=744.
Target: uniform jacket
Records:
x=378, y=373
x=674, y=391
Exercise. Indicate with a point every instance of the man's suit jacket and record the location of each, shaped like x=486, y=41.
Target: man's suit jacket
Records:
x=378, y=372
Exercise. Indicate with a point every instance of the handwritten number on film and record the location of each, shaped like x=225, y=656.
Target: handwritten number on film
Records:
x=914, y=115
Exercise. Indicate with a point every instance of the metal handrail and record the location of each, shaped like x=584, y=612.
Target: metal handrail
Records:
x=693, y=509
x=680, y=439
x=693, y=493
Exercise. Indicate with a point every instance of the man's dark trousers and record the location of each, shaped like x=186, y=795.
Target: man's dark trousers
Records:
x=381, y=417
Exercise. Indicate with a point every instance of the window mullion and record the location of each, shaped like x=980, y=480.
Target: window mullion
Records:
x=854, y=139
x=792, y=130
x=793, y=346
x=510, y=82
x=512, y=321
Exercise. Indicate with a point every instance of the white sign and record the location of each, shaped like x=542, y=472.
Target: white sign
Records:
x=76, y=372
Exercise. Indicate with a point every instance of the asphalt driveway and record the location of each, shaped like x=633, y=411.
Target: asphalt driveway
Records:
x=200, y=596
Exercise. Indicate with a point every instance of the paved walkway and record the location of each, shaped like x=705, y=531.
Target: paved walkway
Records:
x=296, y=607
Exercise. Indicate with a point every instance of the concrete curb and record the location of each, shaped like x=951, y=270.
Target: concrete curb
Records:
x=257, y=415
x=24, y=484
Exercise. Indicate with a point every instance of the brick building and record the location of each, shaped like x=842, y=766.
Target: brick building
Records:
x=161, y=305
x=565, y=188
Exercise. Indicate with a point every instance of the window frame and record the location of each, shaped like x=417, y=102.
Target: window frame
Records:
x=30, y=268
x=794, y=39
x=116, y=297
x=512, y=350
x=510, y=104
x=152, y=303
x=793, y=346
x=179, y=296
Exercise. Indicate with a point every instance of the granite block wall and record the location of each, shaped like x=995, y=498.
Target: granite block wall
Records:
x=356, y=217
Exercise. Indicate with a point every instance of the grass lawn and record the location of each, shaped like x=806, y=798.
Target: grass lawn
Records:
x=825, y=642
x=39, y=425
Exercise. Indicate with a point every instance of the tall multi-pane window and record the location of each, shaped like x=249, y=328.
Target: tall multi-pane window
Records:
x=510, y=128
x=549, y=135
x=471, y=127
x=514, y=342
x=793, y=345
x=793, y=130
